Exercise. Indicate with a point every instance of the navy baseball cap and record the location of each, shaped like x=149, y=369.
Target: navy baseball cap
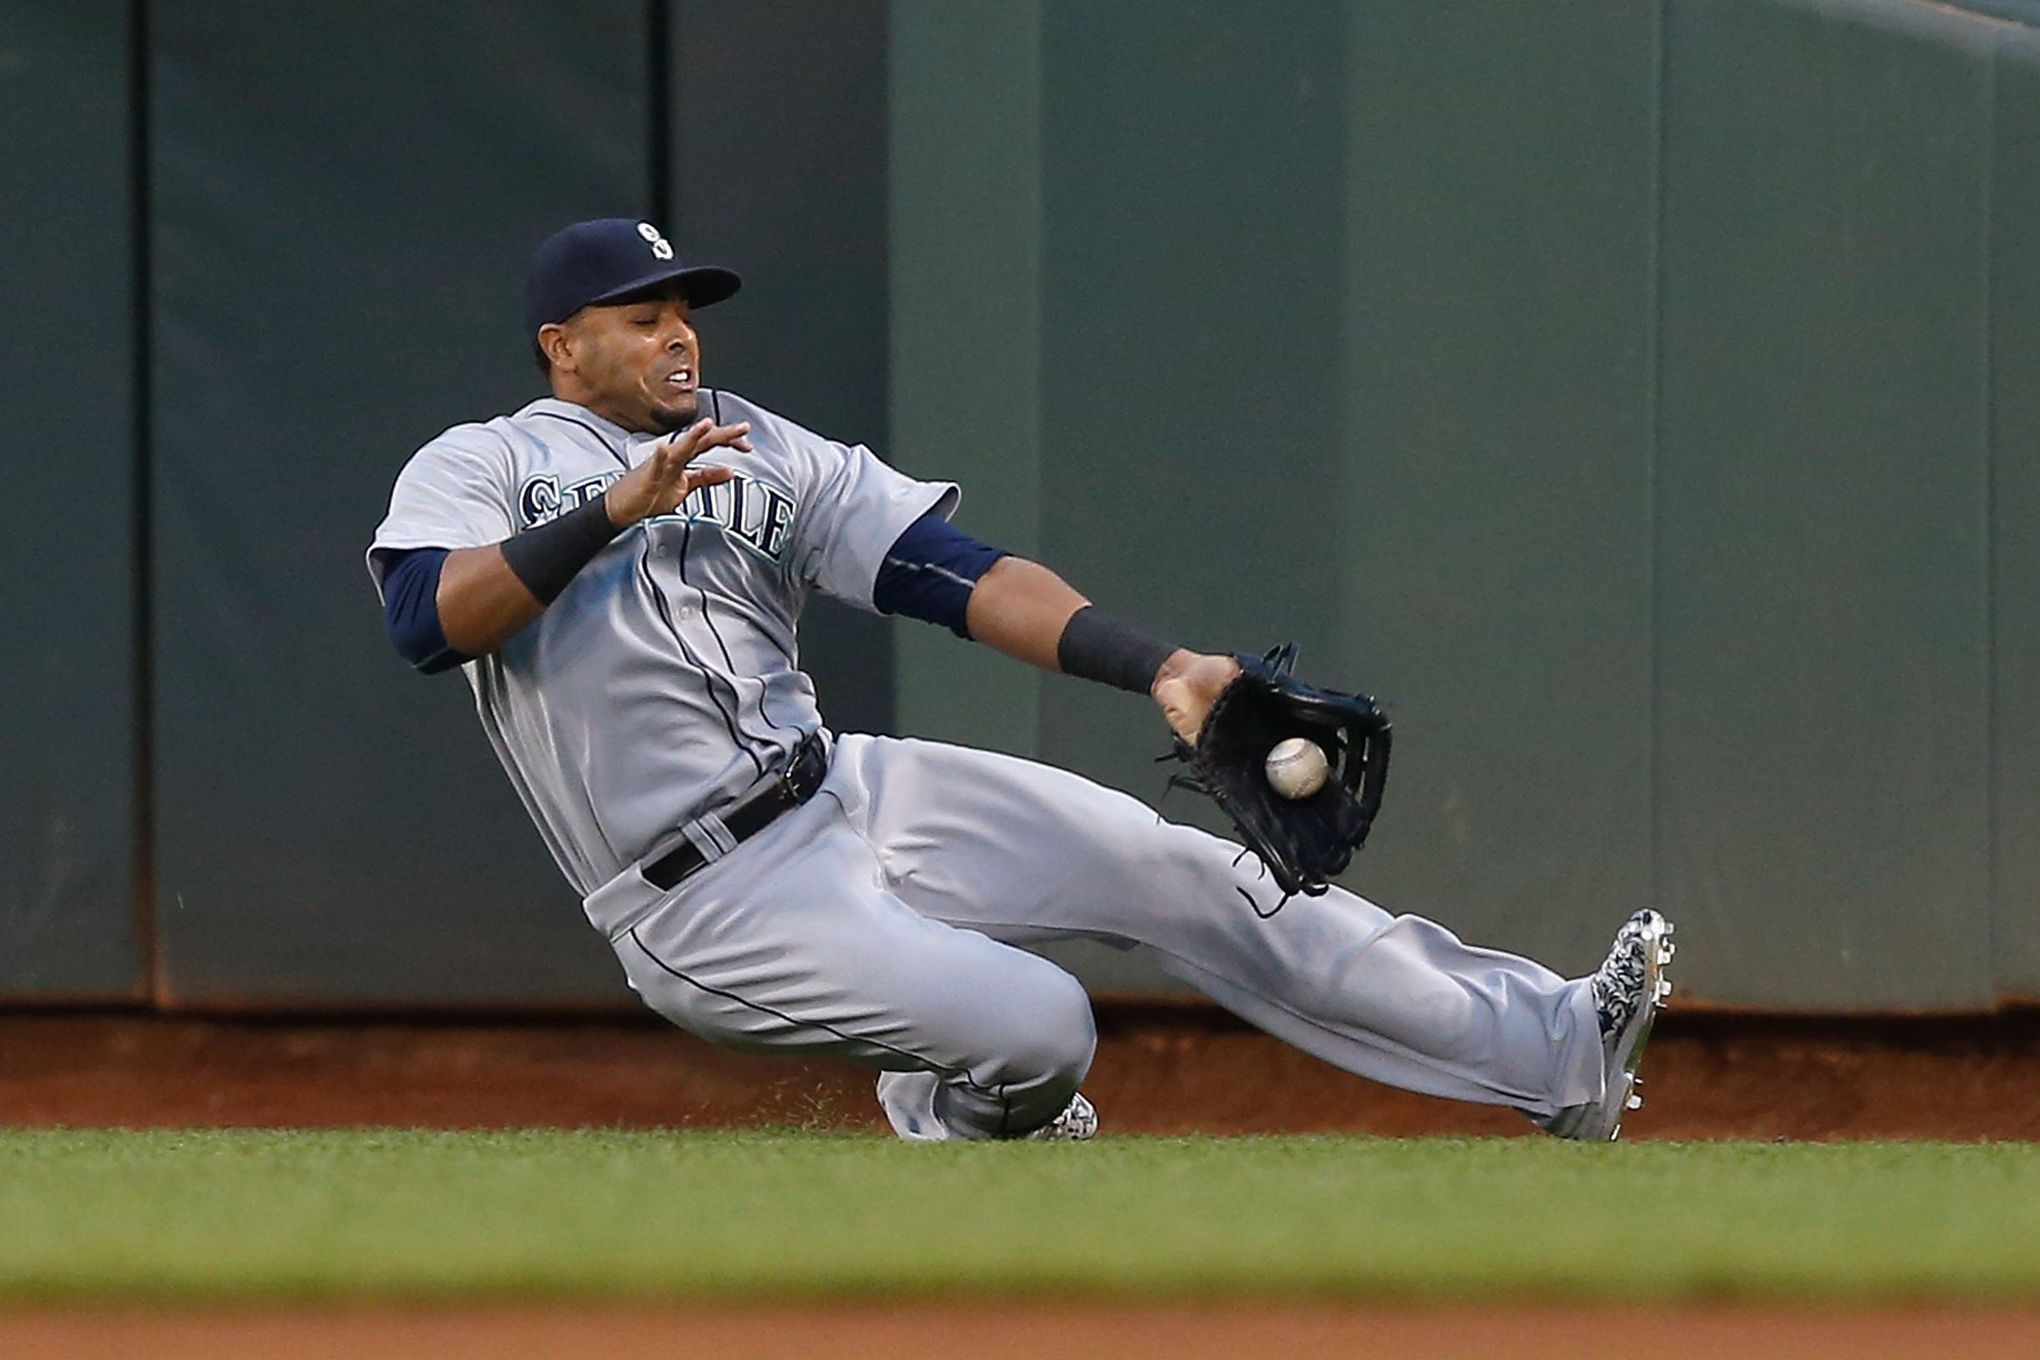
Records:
x=608, y=259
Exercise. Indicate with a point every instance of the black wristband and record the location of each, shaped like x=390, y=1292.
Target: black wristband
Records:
x=1096, y=646
x=545, y=558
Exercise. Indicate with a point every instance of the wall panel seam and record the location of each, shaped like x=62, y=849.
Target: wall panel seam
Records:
x=1036, y=307
x=1991, y=723
x=658, y=108
x=142, y=623
x=1652, y=453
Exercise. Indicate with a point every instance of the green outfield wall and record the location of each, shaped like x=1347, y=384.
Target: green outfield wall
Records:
x=1642, y=398
x=1639, y=397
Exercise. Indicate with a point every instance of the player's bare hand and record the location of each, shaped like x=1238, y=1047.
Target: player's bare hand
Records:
x=1186, y=687
x=658, y=485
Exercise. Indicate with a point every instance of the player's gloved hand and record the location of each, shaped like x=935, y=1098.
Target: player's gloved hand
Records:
x=658, y=485
x=1303, y=841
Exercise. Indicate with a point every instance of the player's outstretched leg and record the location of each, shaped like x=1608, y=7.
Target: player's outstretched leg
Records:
x=1027, y=853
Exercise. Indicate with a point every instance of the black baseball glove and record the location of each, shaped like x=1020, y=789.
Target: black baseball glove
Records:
x=1303, y=841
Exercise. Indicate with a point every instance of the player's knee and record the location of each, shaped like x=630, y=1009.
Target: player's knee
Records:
x=1062, y=1035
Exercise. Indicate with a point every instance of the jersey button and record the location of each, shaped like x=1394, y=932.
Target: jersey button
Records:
x=686, y=611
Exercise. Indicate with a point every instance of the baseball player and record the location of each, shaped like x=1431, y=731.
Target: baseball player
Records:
x=619, y=569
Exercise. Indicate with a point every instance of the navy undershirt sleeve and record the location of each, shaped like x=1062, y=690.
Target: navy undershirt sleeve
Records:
x=930, y=571
x=411, y=609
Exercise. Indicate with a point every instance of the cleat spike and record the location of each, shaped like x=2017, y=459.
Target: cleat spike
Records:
x=1664, y=988
x=1634, y=1102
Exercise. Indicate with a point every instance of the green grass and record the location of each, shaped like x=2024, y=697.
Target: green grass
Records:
x=419, y=1214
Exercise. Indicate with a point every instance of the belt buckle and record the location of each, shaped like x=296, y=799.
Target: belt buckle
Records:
x=797, y=764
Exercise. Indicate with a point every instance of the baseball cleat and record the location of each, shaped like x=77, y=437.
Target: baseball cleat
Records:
x=1078, y=1123
x=1629, y=989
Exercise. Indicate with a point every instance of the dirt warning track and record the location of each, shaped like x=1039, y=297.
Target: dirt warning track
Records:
x=1023, y=1331
x=1160, y=1069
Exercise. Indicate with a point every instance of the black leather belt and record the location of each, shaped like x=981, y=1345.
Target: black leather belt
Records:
x=795, y=785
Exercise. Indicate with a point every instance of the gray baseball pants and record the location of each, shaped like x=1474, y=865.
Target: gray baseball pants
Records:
x=887, y=919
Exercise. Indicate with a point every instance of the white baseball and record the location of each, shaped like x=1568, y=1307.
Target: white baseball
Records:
x=1297, y=767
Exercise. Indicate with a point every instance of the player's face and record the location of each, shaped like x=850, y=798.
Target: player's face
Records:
x=638, y=362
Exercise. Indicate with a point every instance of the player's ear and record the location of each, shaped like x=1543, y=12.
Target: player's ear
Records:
x=558, y=346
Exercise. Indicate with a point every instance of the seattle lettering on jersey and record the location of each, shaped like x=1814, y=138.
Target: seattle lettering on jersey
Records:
x=753, y=512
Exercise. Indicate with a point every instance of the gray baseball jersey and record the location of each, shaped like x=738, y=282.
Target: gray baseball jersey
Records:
x=666, y=677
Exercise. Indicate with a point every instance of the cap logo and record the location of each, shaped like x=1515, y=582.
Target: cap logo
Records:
x=661, y=248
